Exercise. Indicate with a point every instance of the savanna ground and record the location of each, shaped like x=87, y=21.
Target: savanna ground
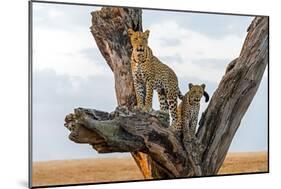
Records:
x=61, y=172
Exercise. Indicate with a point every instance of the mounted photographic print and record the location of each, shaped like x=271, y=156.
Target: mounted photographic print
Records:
x=122, y=94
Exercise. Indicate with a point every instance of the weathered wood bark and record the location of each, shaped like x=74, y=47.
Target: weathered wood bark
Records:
x=130, y=130
x=109, y=28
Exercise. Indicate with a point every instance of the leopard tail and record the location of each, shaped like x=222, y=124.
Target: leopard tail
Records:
x=180, y=95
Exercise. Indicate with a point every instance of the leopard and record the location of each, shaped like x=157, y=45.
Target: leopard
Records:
x=188, y=110
x=149, y=74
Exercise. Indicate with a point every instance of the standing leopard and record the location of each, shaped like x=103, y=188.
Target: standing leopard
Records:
x=149, y=74
x=188, y=111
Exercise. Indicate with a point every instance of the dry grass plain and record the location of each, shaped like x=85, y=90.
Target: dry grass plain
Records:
x=61, y=172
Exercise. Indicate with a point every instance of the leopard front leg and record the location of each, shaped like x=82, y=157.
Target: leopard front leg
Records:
x=178, y=126
x=193, y=124
x=164, y=106
x=187, y=133
x=191, y=143
x=193, y=121
x=148, y=96
x=173, y=102
x=140, y=94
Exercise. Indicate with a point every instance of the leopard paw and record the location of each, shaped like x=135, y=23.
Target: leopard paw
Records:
x=137, y=108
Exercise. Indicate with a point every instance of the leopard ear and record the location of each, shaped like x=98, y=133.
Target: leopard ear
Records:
x=146, y=33
x=206, y=95
x=130, y=32
x=190, y=85
x=203, y=86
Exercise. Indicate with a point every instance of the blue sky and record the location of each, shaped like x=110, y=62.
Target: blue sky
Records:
x=69, y=71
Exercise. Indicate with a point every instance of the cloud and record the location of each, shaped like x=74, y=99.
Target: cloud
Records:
x=67, y=52
x=54, y=96
x=193, y=45
x=63, y=17
x=72, y=91
x=190, y=47
x=62, y=41
x=205, y=73
x=213, y=25
x=62, y=49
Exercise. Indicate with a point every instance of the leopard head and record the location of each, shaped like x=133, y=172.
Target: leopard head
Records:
x=196, y=92
x=139, y=40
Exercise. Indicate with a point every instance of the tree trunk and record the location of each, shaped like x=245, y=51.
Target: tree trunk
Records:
x=154, y=146
x=109, y=28
x=233, y=96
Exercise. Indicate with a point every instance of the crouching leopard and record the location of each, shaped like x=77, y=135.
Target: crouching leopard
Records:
x=188, y=111
x=149, y=74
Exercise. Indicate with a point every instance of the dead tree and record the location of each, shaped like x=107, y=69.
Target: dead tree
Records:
x=156, y=149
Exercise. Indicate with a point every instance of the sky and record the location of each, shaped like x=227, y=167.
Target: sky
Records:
x=70, y=72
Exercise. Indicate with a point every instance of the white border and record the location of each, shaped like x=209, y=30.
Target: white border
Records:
x=14, y=90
